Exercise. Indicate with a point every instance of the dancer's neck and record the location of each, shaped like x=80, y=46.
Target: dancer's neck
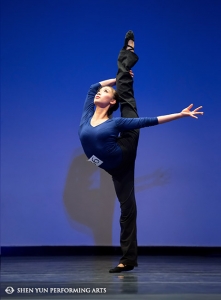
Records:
x=100, y=116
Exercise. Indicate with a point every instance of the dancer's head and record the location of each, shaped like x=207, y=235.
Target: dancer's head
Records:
x=107, y=96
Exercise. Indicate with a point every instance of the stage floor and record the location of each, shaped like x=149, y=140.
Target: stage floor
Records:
x=87, y=277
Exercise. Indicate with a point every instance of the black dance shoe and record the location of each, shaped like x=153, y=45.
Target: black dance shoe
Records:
x=129, y=36
x=121, y=269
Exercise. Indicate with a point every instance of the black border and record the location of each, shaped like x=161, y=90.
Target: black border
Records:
x=108, y=250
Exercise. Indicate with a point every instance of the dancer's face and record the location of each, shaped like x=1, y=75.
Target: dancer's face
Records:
x=104, y=97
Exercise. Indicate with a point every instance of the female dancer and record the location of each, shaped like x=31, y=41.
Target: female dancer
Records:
x=99, y=135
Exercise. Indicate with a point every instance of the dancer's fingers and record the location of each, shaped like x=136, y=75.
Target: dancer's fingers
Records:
x=199, y=112
x=131, y=73
x=190, y=106
x=196, y=109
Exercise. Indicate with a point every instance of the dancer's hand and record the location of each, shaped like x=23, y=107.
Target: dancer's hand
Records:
x=186, y=112
x=131, y=73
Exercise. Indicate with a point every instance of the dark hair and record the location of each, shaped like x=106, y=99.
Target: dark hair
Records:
x=116, y=105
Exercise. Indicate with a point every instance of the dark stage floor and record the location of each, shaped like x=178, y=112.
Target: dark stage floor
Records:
x=87, y=277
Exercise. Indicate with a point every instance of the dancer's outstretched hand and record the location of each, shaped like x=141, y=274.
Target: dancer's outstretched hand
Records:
x=186, y=112
x=131, y=73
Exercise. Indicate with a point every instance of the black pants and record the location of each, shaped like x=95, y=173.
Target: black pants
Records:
x=123, y=176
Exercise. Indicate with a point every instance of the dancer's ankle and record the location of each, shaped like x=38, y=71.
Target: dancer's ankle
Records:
x=130, y=45
x=121, y=265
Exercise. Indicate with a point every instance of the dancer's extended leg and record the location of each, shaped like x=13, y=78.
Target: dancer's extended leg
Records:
x=128, y=139
x=124, y=178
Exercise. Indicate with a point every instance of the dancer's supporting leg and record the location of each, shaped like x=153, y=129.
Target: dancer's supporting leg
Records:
x=124, y=178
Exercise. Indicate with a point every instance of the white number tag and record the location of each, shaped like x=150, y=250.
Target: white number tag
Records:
x=95, y=160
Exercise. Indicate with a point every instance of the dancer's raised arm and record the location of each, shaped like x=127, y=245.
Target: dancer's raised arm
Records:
x=186, y=112
x=108, y=82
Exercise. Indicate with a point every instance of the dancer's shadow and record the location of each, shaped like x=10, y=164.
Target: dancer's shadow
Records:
x=89, y=196
x=159, y=177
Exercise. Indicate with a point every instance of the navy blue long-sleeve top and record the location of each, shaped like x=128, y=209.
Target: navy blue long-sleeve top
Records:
x=100, y=142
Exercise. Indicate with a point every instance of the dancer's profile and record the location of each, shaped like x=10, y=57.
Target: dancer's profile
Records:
x=111, y=143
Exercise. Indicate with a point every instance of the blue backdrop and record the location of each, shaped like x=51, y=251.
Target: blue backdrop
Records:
x=52, y=51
